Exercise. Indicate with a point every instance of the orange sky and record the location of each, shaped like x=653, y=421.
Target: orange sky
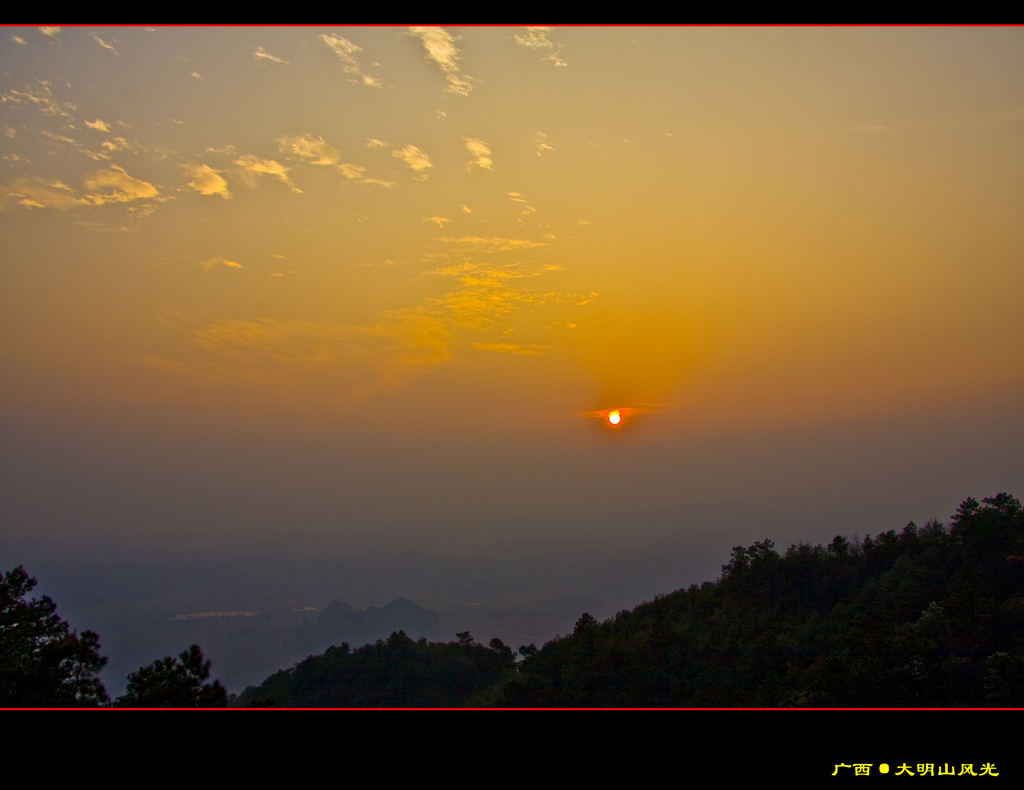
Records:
x=488, y=234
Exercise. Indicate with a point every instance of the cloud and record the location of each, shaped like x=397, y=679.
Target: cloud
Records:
x=218, y=260
x=345, y=50
x=318, y=152
x=39, y=95
x=59, y=137
x=103, y=43
x=35, y=192
x=492, y=243
x=355, y=173
x=508, y=348
x=98, y=125
x=312, y=149
x=440, y=47
x=481, y=153
x=527, y=208
x=540, y=142
x=465, y=208
x=50, y=31
x=207, y=181
x=114, y=185
x=536, y=38
x=196, y=75
x=373, y=142
x=415, y=158
x=18, y=40
x=490, y=287
x=116, y=144
x=368, y=358
x=478, y=306
x=264, y=56
x=254, y=166
x=439, y=220
x=488, y=292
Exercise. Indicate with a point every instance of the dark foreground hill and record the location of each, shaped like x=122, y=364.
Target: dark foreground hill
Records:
x=397, y=672
x=925, y=617
x=930, y=616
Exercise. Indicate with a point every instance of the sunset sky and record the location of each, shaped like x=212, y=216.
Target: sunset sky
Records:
x=269, y=281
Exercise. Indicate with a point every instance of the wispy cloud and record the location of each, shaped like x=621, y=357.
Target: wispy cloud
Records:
x=533, y=38
x=253, y=166
x=50, y=31
x=492, y=243
x=317, y=151
x=218, y=261
x=527, y=208
x=103, y=43
x=540, y=142
x=440, y=47
x=35, y=192
x=313, y=149
x=509, y=348
x=99, y=125
x=18, y=40
x=536, y=38
x=470, y=273
x=61, y=138
x=346, y=52
x=358, y=359
x=415, y=159
x=439, y=220
x=39, y=95
x=357, y=174
x=207, y=181
x=114, y=185
x=481, y=153
x=265, y=57
x=488, y=291
x=114, y=144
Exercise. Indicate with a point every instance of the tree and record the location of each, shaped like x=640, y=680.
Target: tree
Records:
x=42, y=661
x=586, y=621
x=166, y=683
x=502, y=649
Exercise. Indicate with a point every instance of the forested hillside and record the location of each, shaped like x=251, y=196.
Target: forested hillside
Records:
x=397, y=672
x=925, y=617
x=929, y=616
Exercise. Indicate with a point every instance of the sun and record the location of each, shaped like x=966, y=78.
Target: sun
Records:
x=620, y=417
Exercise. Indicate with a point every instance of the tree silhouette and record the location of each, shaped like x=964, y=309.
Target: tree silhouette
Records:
x=42, y=661
x=166, y=683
